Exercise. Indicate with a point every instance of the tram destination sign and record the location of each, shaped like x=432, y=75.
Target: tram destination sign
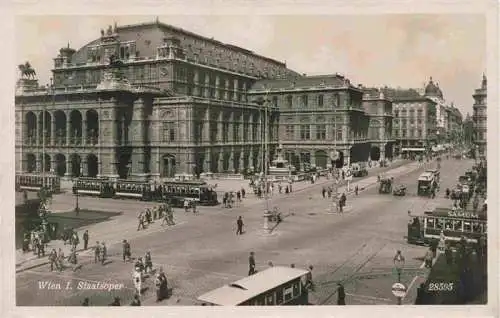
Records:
x=460, y=214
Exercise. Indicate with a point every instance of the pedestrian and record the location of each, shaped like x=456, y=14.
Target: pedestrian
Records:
x=148, y=263
x=239, y=224
x=238, y=196
x=72, y=256
x=53, y=259
x=103, y=253
x=85, y=239
x=137, y=277
x=155, y=213
x=280, y=188
x=193, y=205
x=86, y=302
x=449, y=255
x=356, y=189
x=140, y=218
x=309, y=279
x=340, y=295
x=97, y=252
x=60, y=259
x=136, y=301
x=429, y=255
x=243, y=192
x=251, y=264
x=186, y=205
x=323, y=192
x=161, y=284
x=126, y=251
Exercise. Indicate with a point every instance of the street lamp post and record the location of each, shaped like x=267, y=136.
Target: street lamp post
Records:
x=399, y=262
x=267, y=214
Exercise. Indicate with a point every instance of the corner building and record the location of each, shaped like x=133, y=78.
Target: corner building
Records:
x=479, y=117
x=319, y=114
x=176, y=103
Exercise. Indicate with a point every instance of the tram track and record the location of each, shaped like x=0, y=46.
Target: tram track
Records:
x=358, y=266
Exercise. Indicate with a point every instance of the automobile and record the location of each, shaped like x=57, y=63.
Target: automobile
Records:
x=359, y=170
x=399, y=191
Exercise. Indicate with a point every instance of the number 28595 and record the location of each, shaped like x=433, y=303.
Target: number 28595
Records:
x=441, y=287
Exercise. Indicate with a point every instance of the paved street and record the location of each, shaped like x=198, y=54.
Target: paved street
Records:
x=202, y=251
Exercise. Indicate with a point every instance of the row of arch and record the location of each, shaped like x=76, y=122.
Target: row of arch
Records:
x=75, y=123
x=58, y=164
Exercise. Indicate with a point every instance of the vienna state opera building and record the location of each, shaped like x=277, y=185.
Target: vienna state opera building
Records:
x=152, y=100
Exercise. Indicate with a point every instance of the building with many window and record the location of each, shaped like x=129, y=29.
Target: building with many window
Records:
x=146, y=100
x=479, y=117
x=319, y=114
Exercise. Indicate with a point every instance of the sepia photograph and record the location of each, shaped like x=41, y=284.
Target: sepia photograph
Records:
x=251, y=160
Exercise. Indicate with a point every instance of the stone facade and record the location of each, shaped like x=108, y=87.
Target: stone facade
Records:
x=480, y=117
x=179, y=105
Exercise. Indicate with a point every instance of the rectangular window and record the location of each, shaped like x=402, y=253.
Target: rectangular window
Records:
x=279, y=296
x=419, y=133
x=225, y=132
x=169, y=131
x=254, y=132
x=246, y=128
x=236, y=132
x=275, y=101
x=289, y=100
x=320, y=132
x=305, y=132
x=404, y=133
x=304, y=100
x=290, y=132
x=338, y=134
x=320, y=100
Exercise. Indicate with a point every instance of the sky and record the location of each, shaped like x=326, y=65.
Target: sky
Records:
x=399, y=50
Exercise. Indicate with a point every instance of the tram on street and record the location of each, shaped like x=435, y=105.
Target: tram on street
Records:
x=425, y=183
x=174, y=191
x=35, y=182
x=275, y=286
x=98, y=187
x=199, y=191
x=454, y=224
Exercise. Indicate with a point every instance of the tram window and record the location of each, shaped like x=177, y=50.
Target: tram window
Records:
x=448, y=225
x=457, y=226
x=296, y=290
x=467, y=227
x=439, y=224
x=270, y=299
x=430, y=223
x=279, y=296
x=476, y=227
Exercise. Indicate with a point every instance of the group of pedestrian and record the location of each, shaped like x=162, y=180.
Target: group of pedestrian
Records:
x=148, y=216
x=100, y=253
x=56, y=260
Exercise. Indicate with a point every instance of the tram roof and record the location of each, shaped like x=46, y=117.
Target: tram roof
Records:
x=458, y=214
x=246, y=288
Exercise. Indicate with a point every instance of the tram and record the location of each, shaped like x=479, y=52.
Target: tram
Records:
x=99, y=187
x=425, y=184
x=275, y=286
x=454, y=224
x=35, y=182
x=174, y=191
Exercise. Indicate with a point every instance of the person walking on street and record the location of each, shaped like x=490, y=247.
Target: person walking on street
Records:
x=85, y=239
x=251, y=264
x=97, y=252
x=140, y=218
x=323, y=192
x=356, y=190
x=340, y=295
x=239, y=224
x=243, y=192
x=103, y=253
x=126, y=251
x=53, y=259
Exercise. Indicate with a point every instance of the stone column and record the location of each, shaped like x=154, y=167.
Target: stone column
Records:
x=53, y=131
x=221, y=161
x=137, y=136
x=207, y=161
x=245, y=91
x=227, y=93
x=382, y=151
x=235, y=90
x=231, y=127
x=68, y=128
x=217, y=88
x=220, y=126
x=207, y=85
x=196, y=88
x=313, y=156
x=242, y=162
x=85, y=167
x=38, y=164
x=39, y=128
x=68, y=166
x=206, y=126
x=84, y=132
